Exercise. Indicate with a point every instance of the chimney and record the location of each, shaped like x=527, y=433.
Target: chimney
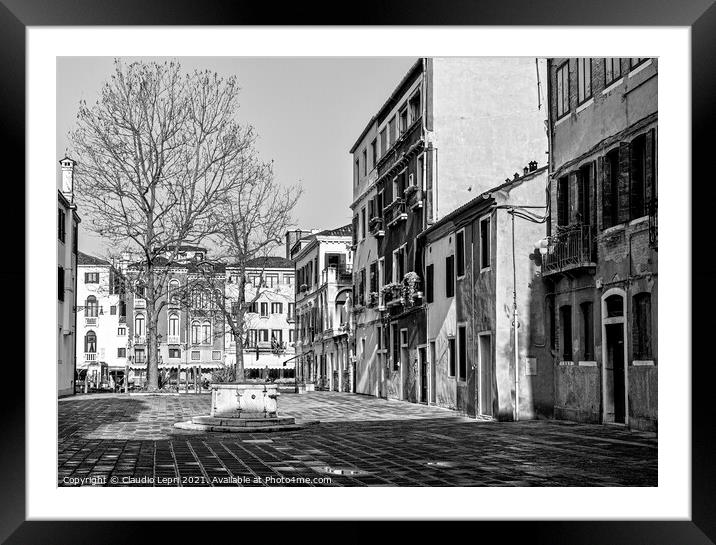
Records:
x=291, y=238
x=68, y=178
x=525, y=171
x=533, y=166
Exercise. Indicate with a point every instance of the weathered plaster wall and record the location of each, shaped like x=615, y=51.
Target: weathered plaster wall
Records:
x=487, y=124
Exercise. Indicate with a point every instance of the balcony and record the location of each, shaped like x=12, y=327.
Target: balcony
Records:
x=395, y=212
x=414, y=196
x=140, y=339
x=172, y=339
x=376, y=226
x=90, y=356
x=91, y=321
x=140, y=302
x=123, y=319
x=338, y=274
x=571, y=249
x=403, y=294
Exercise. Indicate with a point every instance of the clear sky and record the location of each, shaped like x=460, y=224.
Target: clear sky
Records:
x=308, y=112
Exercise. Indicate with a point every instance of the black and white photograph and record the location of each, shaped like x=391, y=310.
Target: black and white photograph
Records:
x=393, y=270
x=396, y=271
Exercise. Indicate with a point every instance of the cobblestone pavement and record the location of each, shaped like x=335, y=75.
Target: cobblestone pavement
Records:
x=130, y=441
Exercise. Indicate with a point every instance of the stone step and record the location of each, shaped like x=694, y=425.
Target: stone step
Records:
x=243, y=422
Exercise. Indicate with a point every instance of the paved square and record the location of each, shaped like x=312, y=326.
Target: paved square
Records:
x=119, y=440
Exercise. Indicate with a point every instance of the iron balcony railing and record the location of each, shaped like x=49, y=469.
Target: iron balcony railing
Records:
x=376, y=226
x=172, y=339
x=570, y=249
x=395, y=212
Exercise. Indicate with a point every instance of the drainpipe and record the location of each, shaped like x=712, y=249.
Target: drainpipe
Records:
x=515, y=324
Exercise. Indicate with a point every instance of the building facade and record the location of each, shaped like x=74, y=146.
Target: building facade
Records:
x=67, y=239
x=324, y=348
x=270, y=292
x=478, y=278
x=447, y=132
x=190, y=325
x=102, y=340
x=600, y=270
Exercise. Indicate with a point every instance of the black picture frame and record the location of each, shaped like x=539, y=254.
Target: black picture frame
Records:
x=700, y=15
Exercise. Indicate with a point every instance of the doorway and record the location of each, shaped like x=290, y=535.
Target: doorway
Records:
x=422, y=355
x=615, y=370
x=615, y=375
x=486, y=374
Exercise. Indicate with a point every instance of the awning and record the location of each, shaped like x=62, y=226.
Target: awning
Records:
x=265, y=359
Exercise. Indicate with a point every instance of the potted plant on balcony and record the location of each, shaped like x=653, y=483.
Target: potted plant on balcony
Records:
x=372, y=298
x=410, y=286
x=393, y=293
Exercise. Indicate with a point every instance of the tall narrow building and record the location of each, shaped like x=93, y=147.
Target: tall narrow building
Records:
x=67, y=237
x=447, y=132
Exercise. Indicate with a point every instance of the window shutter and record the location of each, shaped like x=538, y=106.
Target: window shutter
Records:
x=593, y=196
x=605, y=173
x=650, y=174
x=623, y=209
x=561, y=220
x=574, y=194
x=636, y=193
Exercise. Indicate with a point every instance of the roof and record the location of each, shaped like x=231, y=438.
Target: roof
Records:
x=86, y=259
x=270, y=262
x=187, y=248
x=344, y=231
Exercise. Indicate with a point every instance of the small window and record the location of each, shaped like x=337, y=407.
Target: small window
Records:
x=565, y=324
x=562, y=89
x=113, y=310
x=175, y=352
x=460, y=252
x=264, y=310
x=485, y=244
x=451, y=357
x=264, y=335
x=429, y=279
x=92, y=278
x=121, y=331
x=584, y=79
x=216, y=355
x=404, y=338
x=253, y=307
x=450, y=276
x=612, y=70
x=276, y=308
x=61, y=227
x=139, y=355
x=60, y=283
x=587, y=330
x=195, y=355
x=641, y=329
x=403, y=119
x=291, y=311
x=462, y=352
x=121, y=352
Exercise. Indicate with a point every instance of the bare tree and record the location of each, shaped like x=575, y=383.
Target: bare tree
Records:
x=156, y=153
x=254, y=219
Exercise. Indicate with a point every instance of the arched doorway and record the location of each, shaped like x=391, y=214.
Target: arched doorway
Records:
x=615, y=378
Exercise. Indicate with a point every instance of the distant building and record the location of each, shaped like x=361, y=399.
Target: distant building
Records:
x=67, y=238
x=190, y=327
x=270, y=317
x=101, y=320
x=601, y=267
x=324, y=265
x=472, y=258
x=448, y=131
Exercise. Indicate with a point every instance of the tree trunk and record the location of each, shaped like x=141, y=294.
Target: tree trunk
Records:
x=152, y=348
x=238, y=332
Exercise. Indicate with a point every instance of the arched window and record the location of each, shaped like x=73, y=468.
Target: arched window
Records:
x=615, y=306
x=91, y=307
x=173, y=291
x=173, y=324
x=91, y=342
x=139, y=324
x=206, y=333
x=195, y=329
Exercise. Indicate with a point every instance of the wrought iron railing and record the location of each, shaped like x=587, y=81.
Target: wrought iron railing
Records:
x=376, y=226
x=572, y=248
x=395, y=211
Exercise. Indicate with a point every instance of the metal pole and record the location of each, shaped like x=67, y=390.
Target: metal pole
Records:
x=515, y=324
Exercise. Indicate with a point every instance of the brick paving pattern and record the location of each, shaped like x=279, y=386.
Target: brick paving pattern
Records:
x=115, y=440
